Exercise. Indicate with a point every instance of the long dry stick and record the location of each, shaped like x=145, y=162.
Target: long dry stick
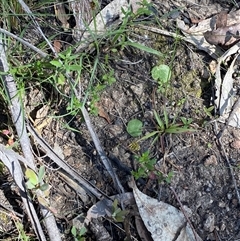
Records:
x=18, y=120
x=62, y=164
x=16, y=109
x=29, y=45
x=49, y=218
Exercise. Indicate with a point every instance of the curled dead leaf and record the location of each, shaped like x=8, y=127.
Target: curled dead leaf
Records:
x=102, y=113
x=223, y=35
x=57, y=45
x=213, y=66
x=221, y=20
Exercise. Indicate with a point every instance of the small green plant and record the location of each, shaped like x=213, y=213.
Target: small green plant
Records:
x=146, y=165
x=134, y=127
x=78, y=234
x=21, y=233
x=35, y=181
x=118, y=214
x=208, y=111
x=165, y=127
x=209, y=145
x=162, y=74
x=186, y=121
x=147, y=169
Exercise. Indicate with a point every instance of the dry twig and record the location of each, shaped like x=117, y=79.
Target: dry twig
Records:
x=12, y=162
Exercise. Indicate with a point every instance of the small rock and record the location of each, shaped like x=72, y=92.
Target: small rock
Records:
x=229, y=196
x=235, y=144
x=236, y=134
x=223, y=227
x=137, y=89
x=221, y=204
x=209, y=223
x=211, y=160
x=116, y=130
x=187, y=211
x=148, y=114
x=234, y=202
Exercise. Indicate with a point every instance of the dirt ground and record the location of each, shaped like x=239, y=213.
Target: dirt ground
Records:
x=201, y=175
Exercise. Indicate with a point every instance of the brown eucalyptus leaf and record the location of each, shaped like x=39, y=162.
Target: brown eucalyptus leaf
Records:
x=102, y=113
x=224, y=36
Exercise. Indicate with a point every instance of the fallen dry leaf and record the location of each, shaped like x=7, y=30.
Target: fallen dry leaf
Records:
x=223, y=35
x=57, y=45
x=221, y=20
x=109, y=16
x=41, y=115
x=236, y=134
x=102, y=112
x=213, y=66
x=143, y=233
x=163, y=221
x=225, y=96
x=196, y=33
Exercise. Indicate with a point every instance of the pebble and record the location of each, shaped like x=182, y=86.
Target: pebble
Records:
x=229, y=196
x=209, y=223
x=137, y=89
x=211, y=160
x=221, y=204
x=236, y=134
x=235, y=144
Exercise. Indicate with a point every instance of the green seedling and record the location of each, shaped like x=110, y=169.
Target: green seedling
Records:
x=164, y=126
x=134, y=127
x=208, y=111
x=186, y=121
x=21, y=233
x=165, y=178
x=35, y=181
x=146, y=165
x=145, y=8
x=162, y=74
x=209, y=145
x=118, y=214
x=78, y=234
x=147, y=169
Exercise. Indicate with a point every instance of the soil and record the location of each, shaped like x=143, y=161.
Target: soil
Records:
x=201, y=175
